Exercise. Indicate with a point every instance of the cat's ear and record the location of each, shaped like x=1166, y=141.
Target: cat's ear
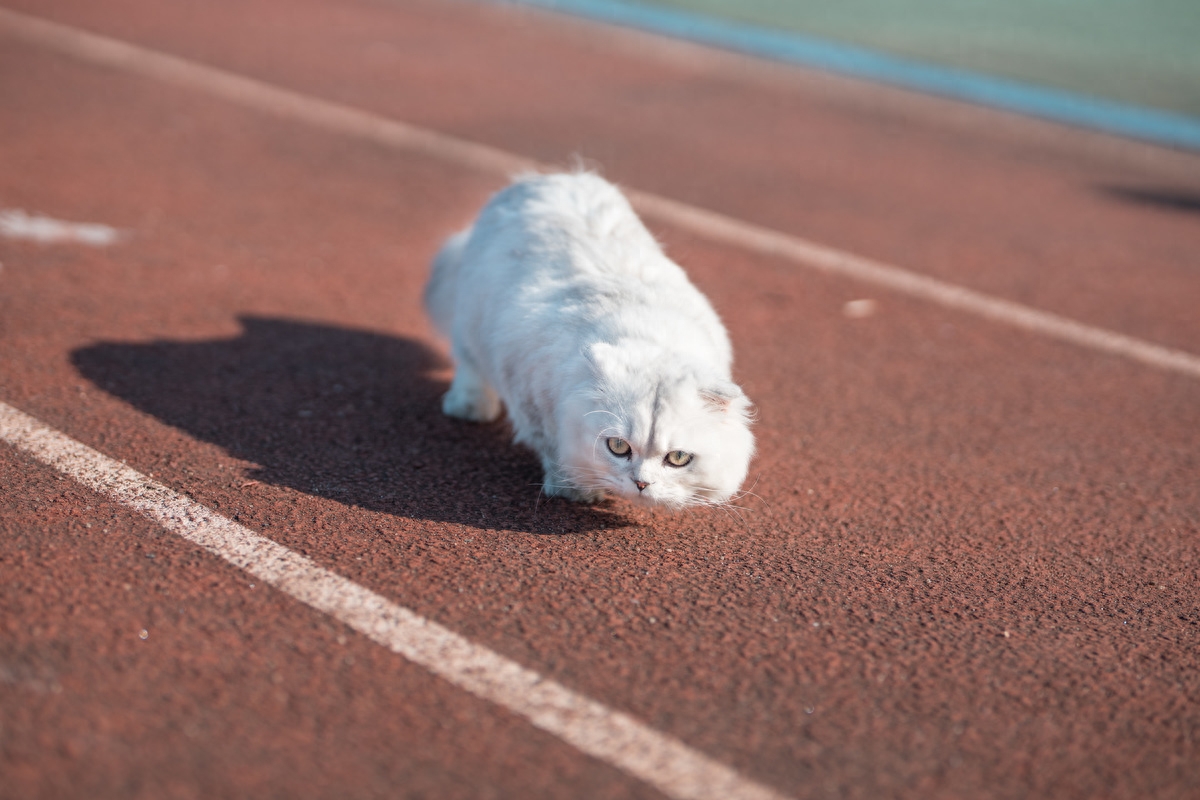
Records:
x=726, y=397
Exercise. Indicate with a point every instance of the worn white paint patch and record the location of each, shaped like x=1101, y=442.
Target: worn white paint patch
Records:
x=16, y=224
x=860, y=309
x=662, y=761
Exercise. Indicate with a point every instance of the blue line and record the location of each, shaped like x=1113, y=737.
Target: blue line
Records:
x=1137, y=122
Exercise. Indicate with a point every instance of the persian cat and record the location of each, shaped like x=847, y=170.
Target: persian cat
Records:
x=562, y=309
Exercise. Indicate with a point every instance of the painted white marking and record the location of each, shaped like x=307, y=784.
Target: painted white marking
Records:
x=860, y=309
x=16, y=224
x=747, y=236
x=660, y=760
x=705, y=224
x=260, y=96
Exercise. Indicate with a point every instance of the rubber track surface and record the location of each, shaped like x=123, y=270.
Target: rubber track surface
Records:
x=971, y=565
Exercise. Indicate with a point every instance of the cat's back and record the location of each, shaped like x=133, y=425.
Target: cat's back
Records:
x=581, y=200
x=564, y=256
x=574, y=222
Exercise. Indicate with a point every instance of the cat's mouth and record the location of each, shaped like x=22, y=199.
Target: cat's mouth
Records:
x=641, y=498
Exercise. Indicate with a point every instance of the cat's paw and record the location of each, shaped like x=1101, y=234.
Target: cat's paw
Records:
x=474, y=406
x=571, y=493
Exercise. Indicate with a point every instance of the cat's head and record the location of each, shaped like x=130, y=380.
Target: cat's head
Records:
x=656, y=431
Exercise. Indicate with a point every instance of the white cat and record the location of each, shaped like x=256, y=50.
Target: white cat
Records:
x=562, y=308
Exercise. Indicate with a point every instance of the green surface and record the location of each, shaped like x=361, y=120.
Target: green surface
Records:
x=1145, y=52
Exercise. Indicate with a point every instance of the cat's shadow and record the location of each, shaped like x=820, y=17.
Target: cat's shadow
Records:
x=344, y=414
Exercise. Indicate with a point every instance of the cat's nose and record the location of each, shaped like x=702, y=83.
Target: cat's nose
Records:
x=640, y=484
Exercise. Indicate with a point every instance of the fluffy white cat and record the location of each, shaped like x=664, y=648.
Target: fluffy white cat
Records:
x=562, y=308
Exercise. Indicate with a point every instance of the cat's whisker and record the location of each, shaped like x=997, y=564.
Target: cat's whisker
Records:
x=732, y=498
x=724, y=508
x=728, y=514
x=727, y=507
x=750, y=493
x=756, y=497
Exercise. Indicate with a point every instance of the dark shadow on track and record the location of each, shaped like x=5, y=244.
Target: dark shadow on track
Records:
x=345, y=414
x=1184, y=201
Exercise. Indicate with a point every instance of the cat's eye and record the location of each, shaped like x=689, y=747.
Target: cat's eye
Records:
x=619, y=447
x=678, y=458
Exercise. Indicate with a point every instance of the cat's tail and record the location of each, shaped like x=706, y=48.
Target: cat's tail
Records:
x=442, y=288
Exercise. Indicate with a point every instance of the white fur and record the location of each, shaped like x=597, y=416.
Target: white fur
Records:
x=561, y=308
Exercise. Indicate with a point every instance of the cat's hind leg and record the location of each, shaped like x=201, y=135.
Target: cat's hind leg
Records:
x=470, y=397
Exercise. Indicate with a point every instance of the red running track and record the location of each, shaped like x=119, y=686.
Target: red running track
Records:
x=973, y=567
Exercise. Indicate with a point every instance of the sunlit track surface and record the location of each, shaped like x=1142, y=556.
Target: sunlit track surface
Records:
x=961, y=532
x=699, y=222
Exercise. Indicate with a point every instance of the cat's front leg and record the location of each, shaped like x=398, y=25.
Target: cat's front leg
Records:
x=470, y=397
x=556, y=483
x=571, y=493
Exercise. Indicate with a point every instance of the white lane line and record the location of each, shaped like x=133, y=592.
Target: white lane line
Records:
x=747, y=236
x=16, y=224
x=260, y=96
x=611, y=736
x=710, y=225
